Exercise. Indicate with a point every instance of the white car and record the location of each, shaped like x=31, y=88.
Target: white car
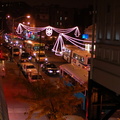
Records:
x=41, y=58
x=34, y=77
x=28, y=67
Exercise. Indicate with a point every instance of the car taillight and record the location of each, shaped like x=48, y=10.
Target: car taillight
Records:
x=3, y=69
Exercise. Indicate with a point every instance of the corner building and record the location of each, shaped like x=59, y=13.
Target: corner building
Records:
x=104, y=85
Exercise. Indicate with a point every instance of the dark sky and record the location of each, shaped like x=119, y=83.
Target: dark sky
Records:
x=65, y=3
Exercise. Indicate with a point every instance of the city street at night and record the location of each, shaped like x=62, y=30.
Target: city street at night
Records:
x=14, y=83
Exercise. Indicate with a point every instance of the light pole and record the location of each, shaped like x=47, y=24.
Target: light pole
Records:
x=13, y=25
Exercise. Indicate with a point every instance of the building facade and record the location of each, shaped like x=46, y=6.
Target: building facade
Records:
x=104, y=79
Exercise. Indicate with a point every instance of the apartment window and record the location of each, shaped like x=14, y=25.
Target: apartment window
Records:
x=97, y=54
x=60, y=18
x=115, y=56
x=108, y=31
x=117, y=32
x=107, y=54
x=57, y=23
x=65, y=18
x=60, y=23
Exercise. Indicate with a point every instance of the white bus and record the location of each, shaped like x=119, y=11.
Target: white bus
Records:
x=33, y=47
x=81, y=59
x=67, y=54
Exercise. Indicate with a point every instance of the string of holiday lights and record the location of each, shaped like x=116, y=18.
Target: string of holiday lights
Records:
x=59, y=45
x=59, y=42
x=49, y=30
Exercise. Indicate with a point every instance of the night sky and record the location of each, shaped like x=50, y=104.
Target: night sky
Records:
x=64, y=3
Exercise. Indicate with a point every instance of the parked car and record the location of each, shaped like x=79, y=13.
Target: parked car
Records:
x=34, y=77
x=15, y=51
x=25, y=56
x=27, y=68
x=41, y=58
x=22, y=61
x=50, y=68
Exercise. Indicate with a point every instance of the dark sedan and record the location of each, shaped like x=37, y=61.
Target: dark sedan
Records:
x=50, y=68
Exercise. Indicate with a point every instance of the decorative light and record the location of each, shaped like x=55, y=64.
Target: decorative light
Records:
x=49, y=30
x=58, y=48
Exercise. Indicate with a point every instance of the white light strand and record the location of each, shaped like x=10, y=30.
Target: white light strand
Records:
x=19, y=29
x=77, y=45
x=49, y=29
x=58, y=47
x=76, y=39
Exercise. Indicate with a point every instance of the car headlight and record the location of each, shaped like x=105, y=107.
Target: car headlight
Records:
x=58, y=71
x=46, y=59
x=30, y=58
x=50, y=71
x=34, y=54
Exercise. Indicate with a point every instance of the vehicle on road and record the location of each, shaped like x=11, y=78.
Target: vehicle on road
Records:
x=2, y=67
x=33, y=47
x=34, y=77
x=41, y=58
x=15, y=51
x=25, y=56
x=22, y=61
x=50, y=68
x=27, y=68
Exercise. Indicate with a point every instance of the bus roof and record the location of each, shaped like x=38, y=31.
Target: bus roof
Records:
x=82, y=52
x=71, y=47
x=33, y=42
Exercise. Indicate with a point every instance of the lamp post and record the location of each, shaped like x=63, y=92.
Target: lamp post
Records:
x=13, y=25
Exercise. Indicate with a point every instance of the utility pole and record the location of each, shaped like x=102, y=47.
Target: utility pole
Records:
x=39, y=53
x=12, y=36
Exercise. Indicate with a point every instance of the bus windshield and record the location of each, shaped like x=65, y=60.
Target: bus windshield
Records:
x=37, y=48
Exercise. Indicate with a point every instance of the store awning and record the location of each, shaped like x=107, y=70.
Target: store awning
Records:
x=79, y=74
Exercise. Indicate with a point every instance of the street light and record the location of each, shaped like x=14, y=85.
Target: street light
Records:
x=13, y=25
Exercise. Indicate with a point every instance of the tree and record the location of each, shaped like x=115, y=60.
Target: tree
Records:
x=54, y=100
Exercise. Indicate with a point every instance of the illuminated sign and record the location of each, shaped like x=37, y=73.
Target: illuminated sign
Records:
x=85, y=36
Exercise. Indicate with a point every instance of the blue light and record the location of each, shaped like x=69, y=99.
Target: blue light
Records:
x=85, y=36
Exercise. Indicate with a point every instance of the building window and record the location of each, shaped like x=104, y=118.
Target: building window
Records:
x=117, y=32
x=108, y=31
x=115, y=56
x=107, y=55
x=57, y=23
x=60, y=18
x=65, y=18
x=60, y=23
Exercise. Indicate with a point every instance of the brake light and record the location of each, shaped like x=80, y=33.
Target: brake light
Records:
x=3, y=69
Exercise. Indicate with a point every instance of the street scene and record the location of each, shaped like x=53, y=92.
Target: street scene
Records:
x=59, y=60
x=13, y=84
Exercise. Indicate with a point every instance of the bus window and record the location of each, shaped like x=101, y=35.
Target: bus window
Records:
x=37, y=48
x=81, y=59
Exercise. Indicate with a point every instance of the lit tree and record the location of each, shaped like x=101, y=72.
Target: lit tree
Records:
x=53, y=100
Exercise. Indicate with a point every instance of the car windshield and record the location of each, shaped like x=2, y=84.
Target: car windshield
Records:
x=41, y=55
x=22, y=61
x=25, y=55
x=30, y=66
x=16, y=50
x=51, y=66
x=36, y=77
